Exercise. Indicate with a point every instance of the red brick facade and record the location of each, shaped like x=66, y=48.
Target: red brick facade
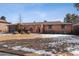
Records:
x=45, y=27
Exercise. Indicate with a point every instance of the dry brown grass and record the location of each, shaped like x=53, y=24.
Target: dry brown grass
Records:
x=18, y=36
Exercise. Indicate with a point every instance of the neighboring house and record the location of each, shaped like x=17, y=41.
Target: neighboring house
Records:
x=45, y=27
x=4, y=25
x=76, y=26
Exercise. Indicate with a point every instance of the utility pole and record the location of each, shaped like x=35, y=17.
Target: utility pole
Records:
x=20, y=19
x=20, y=23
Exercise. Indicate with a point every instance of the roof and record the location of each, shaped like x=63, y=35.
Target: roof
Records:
x=39, y=23
x=48, y=23
x=4, y=21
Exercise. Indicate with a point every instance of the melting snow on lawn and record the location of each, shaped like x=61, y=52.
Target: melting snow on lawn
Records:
x=57, y=39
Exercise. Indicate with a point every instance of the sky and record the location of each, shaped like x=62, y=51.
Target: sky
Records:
x=37, y=12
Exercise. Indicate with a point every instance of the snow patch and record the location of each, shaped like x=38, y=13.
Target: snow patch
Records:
x=54, y=35
x=76, y=53
x=5, y=46
x=16, y=47
x=31, y=50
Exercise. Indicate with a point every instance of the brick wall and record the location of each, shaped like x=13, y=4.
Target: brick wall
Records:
x=43, y=28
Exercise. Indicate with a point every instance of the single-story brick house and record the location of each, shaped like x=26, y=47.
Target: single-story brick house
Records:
x=76, y=25
x=45, y=27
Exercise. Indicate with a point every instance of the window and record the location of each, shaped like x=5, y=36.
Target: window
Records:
x=63, y=26
x=49, y=26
